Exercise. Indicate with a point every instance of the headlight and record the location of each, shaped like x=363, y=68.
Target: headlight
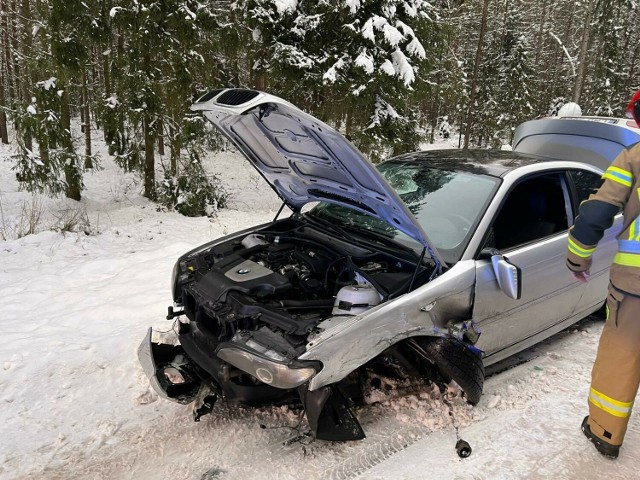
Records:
x=267, y=371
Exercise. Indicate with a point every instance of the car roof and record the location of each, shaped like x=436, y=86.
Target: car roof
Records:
x=492, y=162
x=594, y=140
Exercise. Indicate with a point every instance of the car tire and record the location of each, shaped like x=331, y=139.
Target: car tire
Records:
x=601, y=313
x=456, y=361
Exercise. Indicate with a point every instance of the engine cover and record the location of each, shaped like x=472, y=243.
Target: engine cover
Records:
x=238, y=274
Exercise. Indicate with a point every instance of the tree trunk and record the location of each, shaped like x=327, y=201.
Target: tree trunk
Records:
x=13, y=36
x=6, y=53
x=348, y=123
x=161, y=137
x=558, y=85
x=149, y=142
x=108, y=132
x=149, y=160
x=175, y=141
x=71, y=173
x=43, y=150
x=25, y=13
x=540, y=39
x=21, y=73
x=260, y=81
x=582, y=57
x=634, y=57
x=476, y=69
x=4, y=137
x=433, y=113
x=88, y=156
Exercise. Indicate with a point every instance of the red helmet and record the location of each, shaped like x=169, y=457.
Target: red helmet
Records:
x=633, y=109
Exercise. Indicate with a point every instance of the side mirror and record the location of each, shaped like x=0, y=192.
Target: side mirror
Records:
x=508, y=275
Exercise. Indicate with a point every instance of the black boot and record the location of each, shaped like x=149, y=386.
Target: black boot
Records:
x=605, y=448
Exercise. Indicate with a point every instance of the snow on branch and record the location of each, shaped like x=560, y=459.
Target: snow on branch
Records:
x=387, y=67
x=283, y=6
x=331, y=75
x=415, y=48
x=365, y=61
x=566, y=52
x=403, y=67
x=353, y=5
x=383, y=111
x=392, y=35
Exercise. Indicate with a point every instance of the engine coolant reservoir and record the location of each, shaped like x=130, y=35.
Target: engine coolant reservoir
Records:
x=355, y=299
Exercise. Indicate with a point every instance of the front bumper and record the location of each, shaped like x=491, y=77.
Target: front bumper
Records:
x=168, y=370
x=175, y=376
x=221, y=367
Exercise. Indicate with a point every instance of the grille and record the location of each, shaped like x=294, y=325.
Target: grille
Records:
x=220, y=323
x=208, y=96
x=237, y=96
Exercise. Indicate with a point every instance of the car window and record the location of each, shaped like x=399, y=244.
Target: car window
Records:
x=448, y=204
x=534, y=209
x=585, y=183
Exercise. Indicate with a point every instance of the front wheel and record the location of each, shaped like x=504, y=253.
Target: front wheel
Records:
x=454, y=360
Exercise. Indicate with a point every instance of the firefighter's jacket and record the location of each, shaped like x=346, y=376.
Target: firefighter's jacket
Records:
x=620, y=190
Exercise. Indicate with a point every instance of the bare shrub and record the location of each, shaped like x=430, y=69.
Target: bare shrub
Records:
x=26, y=223
x=71, y=220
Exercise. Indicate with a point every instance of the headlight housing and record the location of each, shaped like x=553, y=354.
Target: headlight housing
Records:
x=266, y=370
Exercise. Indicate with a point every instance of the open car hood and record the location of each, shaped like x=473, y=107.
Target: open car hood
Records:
x=304, y=160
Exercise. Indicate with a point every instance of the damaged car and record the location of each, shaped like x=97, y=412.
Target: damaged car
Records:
x=435, y=264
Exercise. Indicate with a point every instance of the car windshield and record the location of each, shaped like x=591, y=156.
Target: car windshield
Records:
x=447, y=203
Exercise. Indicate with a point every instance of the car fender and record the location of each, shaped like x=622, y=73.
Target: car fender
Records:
x=427, y=311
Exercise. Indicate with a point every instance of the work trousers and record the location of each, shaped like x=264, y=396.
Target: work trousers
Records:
x=616, y=371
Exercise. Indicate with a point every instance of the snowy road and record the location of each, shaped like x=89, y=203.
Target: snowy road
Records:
x=76, y=405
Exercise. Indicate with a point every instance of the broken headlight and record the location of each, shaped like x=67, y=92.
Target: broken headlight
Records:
x=265, y=369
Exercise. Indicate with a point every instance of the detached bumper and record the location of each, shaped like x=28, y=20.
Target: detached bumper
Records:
x=168, y=370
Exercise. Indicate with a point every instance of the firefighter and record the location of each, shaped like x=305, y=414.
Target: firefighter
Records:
x=616, y=371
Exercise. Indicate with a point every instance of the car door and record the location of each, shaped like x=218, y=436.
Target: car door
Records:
x=585, y=183
x=530, y=230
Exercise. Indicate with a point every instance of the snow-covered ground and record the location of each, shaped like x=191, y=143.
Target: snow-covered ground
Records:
x=75, y=403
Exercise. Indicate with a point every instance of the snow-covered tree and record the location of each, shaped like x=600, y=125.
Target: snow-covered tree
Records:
x=607, y=88
x=46, y=170
x=365, y=65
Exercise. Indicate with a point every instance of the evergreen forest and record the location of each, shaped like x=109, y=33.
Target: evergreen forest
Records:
x=389, y=74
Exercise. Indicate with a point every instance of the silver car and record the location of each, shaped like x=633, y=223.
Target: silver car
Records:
x=433, y=264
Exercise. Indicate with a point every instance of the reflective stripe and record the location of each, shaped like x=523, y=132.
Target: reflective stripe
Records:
x=628, y=246
x=579, y=251
x=634, y=232
x=619, y=175
x=627, y=259
x=609, y=405
x=634, y=226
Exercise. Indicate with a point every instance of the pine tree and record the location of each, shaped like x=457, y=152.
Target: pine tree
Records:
x=607, y=94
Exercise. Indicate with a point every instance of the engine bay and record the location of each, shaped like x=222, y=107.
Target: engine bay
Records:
x=287, y=279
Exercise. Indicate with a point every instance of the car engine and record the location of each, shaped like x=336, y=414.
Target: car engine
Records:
x=288, y=284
